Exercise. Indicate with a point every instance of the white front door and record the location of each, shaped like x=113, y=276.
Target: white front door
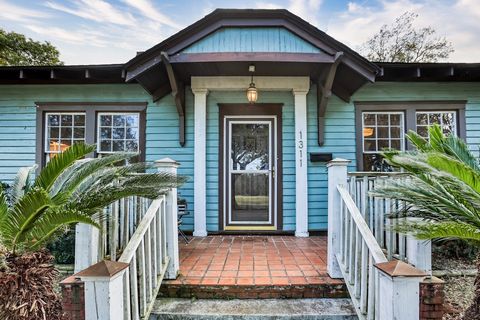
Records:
x=250, y=161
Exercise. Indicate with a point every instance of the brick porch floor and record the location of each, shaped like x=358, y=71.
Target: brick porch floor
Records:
x=257, y=262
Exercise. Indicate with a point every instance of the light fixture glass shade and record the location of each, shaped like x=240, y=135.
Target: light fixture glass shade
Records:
x=252, y=93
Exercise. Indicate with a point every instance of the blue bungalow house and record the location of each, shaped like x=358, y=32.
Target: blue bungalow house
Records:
x=252, y=103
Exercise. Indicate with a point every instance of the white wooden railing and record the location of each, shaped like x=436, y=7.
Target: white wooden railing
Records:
x=363, y=250
x=359, y=252
x=123, y=265
x=380, y=215
x=146, y=255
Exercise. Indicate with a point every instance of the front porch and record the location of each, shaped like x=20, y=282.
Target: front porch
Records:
x=254, y=267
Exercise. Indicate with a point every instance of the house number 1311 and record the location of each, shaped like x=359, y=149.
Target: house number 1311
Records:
x=300, y=149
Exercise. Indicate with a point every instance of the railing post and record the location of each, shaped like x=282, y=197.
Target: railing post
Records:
x=170, y=166
x=337, y=175
x=399, y=288
x=86, y=246
x=103, y=283
x=419, y=254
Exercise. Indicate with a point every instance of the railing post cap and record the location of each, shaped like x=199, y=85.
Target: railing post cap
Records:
x=166, y=162
x=104, y=270
x=397, y=268
x=338, y=162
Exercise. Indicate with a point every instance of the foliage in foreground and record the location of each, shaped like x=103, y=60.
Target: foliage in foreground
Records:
x=402, y=42
x=17, y=50
x=443, y=191
x=68, y=190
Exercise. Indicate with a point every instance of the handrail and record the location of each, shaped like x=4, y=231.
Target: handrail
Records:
x=146, y=254
x=367, y=235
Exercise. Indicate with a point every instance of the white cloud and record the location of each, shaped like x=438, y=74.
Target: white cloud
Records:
x=147, y=8
x=306, y=9
x=16, y=13
x=459, y=23
x=268, y=5
x=83, y=37
x=96, y=10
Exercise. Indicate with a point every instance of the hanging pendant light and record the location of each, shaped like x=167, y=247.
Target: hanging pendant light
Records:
x=252, y=92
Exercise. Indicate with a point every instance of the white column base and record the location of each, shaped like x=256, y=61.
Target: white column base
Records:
x=301, y=234
x=199, y=233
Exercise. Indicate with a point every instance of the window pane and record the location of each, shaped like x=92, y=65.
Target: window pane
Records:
x=105, y=120
x=54, y=132
x=118, y=133
x=369, y=132
x=395, y=119
x=434, y=118
x=119, y=145
x=132, y=133
x=396, y=144
x=382, y=119
x=66, y=133
x=106, y=145
x=370, y=145
x=79, y=120
x=423, y=131
x=369, y=119
x=105, y=133
x=66, y=120
x=53, y=120
x=79, y=133
x=119, y=120
x=422, y=119
x=131, y=145
x=395, y=132
x=383, y=144
x=132, y=120
x=448, y=118
x=382, y=132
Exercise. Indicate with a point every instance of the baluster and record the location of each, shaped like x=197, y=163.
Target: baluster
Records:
x=364, y=278
x=135, y=302
x=164, y=231
x=371, y=289
x=346, y=237
x=127, y=311
x=370, y=212
x=353, y=233
x=148, y=264
x=153, y=226
x=142, y=278
x=114, y=230
x=358, y=248
x=342, y=230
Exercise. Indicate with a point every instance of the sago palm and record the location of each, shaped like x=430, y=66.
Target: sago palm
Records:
x=443, y=190
x=69, y=189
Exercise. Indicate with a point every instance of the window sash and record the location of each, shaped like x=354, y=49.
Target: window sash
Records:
x=453, y=125
x=111, y=126
x=47, y=133
x=389, y=127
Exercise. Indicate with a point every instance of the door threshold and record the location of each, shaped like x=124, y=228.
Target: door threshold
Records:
x=250, y=228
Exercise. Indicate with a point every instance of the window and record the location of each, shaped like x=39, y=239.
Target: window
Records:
x=446, y=119
x=380, y=131
x=118, y=132
x=112, y=127
x=62, y=130
x=383, y=125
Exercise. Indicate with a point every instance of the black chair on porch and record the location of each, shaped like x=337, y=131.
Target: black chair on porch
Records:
x=182, y=212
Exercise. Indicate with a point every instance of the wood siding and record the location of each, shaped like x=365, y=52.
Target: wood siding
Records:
x=252, y=39
x=18, y=131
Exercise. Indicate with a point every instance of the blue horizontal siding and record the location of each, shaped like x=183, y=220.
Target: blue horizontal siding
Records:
x=252, y=39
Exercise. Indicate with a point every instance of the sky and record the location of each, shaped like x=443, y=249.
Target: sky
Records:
x=112, y=31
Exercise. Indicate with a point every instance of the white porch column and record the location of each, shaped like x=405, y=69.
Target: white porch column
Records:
x=200, y=163
x=301, y=163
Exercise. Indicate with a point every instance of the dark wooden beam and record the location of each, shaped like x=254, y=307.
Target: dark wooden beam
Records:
x=324, y=92
x=178, y=93
x=251, y=57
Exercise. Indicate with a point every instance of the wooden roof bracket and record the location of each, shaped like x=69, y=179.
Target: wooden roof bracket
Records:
x=324, y=91
x=178, y=93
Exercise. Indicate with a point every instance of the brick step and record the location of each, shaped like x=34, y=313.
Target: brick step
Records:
x=265, y=309
x=328, y=289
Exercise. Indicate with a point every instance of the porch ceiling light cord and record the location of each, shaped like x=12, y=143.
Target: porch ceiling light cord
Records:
x=252, y=92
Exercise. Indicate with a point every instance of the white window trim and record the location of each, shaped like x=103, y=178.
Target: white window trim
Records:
x=441, y=112
x=402, y=130
x=98, y=129
x=46, y=127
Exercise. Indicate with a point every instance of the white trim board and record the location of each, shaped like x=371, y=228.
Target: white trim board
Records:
x=299, y=86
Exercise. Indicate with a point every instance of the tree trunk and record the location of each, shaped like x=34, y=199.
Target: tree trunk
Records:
x=473, y=312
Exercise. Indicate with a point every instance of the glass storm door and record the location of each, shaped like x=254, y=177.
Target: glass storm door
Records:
x=250, y=173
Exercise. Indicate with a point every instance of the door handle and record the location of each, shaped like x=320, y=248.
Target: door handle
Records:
x=273, y=172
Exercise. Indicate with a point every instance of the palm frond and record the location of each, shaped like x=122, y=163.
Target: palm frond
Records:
x=52, y=221
x=20, y=183
x=418, y=141
x=23, y=215
x=427, y=230
x=60, y=162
